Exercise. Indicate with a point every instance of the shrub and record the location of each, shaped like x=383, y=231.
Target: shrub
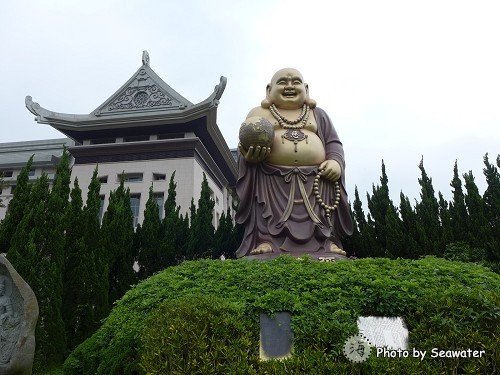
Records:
x=199, y=335
x=446, y=304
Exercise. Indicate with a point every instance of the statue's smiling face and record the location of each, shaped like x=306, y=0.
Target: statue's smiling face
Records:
x=287, y=89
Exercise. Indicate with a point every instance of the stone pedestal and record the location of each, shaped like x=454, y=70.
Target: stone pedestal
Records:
x=320, y=256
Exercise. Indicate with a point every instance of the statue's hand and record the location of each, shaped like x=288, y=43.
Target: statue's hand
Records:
x=254, y=154
x=331, y=170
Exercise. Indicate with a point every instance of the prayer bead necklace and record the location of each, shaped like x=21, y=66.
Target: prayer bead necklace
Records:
x=293, y=127
x=328, y=209
x=285, y=123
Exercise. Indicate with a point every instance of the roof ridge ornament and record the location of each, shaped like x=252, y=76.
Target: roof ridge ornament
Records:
x=145, y=58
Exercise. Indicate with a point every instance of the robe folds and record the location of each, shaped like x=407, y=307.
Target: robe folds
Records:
x=278, y=206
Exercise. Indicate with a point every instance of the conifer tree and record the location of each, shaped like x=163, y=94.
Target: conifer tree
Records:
x=174, y=234
x=97, y=283
x=117, y=233
x=352, y=242
x=79, y=277
x=479, y=228
x=16, y=208
x=201, y=233
x=381, y=207
x=445, y=219
x=394, y=234
x=150, y=257
x=34, y=261
x=367, y=245
x=427, y=210
x=458, y=211
x=222, y=238
x=182, y=238
x=491, y=199
x=57, y=206
x=409, y=218
x=2, y=186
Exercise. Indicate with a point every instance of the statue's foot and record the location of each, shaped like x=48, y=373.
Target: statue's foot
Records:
x=337, y=250
x=263, y=248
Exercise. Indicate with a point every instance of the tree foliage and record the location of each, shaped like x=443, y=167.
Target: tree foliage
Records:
x=117, y=233
x=17, y=207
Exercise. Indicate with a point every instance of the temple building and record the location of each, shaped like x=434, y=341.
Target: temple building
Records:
x=142, y=134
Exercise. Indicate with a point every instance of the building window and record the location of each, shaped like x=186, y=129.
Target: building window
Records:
x=135, y=201
x=130, y=177
x=6, y=174
x=101, y=208
x=12, y=189
x=103, y=179
x=101, y=141
x=31, y=173
x=136, y=138
x=217, y=200
x=159, y=200
x=159, y=177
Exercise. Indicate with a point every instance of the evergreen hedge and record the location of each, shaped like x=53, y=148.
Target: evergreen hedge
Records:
x=446, y=304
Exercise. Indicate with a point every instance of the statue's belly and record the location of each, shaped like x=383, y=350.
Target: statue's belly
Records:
x=310, y=151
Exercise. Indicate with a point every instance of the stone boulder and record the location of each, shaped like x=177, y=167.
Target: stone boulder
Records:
x=18, y=317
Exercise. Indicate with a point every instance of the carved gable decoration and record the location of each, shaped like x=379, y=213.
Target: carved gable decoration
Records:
x=144, y=92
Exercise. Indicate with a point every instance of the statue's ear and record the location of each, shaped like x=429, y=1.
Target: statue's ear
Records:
x=310, y=102
x=266, y=103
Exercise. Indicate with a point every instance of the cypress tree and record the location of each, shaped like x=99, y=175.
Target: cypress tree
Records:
x=201, y=233
x=98, y=284
x=427, y=211
x=150, y=258
x=458, y=211
x=445, y=219
x=17, y=207
x=182, y=238
x=174, y=234
x=117, y=233
x=479, y=228
x=382, y=208
x=79, y=277
x=408, y=218
x=57, y=206
x=352, y=242
x=35, y=262
x=394, y=233
x=222, y=238
x=2, y=185
x=491, y=199
x=367, y=244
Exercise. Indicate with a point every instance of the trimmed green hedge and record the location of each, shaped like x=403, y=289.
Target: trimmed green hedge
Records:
x=446, y=304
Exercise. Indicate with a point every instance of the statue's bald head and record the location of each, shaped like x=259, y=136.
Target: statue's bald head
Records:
x=286, y=72
x=287, y=90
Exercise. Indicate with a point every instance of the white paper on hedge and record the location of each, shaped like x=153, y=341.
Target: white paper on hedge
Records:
x=381, y=331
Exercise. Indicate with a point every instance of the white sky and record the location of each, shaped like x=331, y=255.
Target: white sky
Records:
x=399, y=79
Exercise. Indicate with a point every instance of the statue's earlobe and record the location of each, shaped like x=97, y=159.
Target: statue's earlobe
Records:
x=310, y=102
x=266, y=103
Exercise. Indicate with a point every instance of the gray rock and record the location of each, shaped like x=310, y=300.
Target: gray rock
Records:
x=18, y=317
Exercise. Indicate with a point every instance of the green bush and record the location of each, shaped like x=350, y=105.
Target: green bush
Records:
x=199, y=335
x=446, y=304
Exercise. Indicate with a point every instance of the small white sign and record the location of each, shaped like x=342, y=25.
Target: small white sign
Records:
x=382, y=331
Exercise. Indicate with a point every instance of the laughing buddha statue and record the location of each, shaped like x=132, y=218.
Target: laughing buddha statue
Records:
x=292, y=190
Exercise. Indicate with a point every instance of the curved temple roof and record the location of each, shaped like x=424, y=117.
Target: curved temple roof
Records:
x=146, y=100
x=144, y=97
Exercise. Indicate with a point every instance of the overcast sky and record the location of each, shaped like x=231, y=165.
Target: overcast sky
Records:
x=399, y=79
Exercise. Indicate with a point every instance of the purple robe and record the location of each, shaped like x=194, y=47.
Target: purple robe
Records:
x=272, y=207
